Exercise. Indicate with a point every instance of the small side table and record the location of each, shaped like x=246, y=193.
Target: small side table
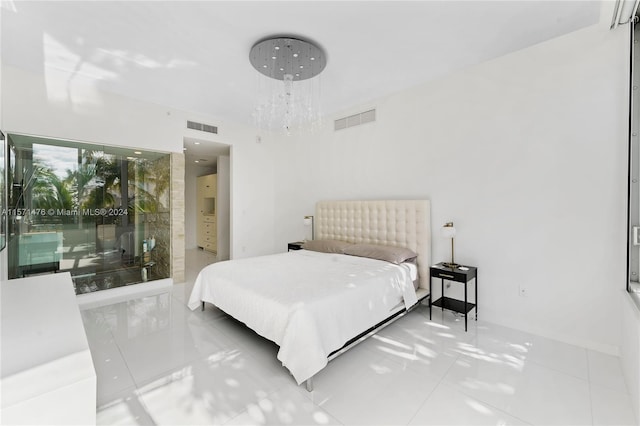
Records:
x=462, y=274
x=297, y=245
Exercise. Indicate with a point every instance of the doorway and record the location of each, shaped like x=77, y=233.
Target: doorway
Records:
x=206, y=158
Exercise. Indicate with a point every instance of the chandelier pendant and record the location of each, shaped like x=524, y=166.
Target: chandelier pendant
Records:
x=293, y=101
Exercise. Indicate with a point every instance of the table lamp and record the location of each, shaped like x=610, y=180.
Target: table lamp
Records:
x=448, y=231
x=308, y=221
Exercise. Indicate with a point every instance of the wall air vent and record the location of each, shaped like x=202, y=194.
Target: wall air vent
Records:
x=202, y=127
x=355, y=120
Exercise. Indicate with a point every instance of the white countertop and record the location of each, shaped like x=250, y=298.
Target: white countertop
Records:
x=43, y=343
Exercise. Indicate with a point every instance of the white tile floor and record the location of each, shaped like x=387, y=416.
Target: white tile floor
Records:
x=160, y=363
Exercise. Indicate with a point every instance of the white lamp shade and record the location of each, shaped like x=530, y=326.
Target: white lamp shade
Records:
x=308, y=221
x=448, y=231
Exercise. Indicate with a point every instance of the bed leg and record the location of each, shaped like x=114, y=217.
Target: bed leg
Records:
x=309, y=384
x=203, y=305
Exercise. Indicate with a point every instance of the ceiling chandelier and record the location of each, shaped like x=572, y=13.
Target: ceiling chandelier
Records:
x=289, y=98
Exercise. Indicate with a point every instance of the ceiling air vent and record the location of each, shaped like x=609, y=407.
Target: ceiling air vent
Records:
x=355, y=120
x=202, y=127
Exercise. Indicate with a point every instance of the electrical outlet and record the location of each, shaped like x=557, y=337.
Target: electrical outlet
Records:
x=523, y=291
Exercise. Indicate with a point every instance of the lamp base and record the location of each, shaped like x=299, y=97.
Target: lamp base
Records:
x=450, y=265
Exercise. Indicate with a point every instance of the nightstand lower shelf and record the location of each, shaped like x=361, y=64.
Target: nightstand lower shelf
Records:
x=462, y=274
x=454, y=305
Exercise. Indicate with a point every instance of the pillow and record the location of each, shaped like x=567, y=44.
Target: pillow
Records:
x=391, y=254
x=326, y=246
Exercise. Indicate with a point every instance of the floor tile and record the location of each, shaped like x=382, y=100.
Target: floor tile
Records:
x=266, y=370
x=263, y=351
x=151, y=355
x=560, y=356
x=498, y=344
x=447, y=406
x=376, y=390
x=418, y=345
x=605, y=370
x=125, y=408
x=112, y=373
x=530, y=392
x=391, y=400
x=206, y=391
x=517, y=347
x=452, y=322
x=286, y=407
x=611, y=407
x=195, y=260
x=178, y=292
x=346, y=373
x=133, y=318
x=95, y=327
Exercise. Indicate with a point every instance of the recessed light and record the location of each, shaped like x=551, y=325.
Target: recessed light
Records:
x=273, y=57
x=196, y=143
x=131, y=158
x=295, y=55
x=137, y=152
x=312, y=58
x=197, y=161
x=277, y=47
x=301, y=66
x=264, y=66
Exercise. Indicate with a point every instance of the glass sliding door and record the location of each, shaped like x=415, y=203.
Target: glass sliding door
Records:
x=101, y=213
x=633, y=259
x=3, y=193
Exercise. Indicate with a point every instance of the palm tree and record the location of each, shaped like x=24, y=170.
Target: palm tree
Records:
x=151, y=184
x=48, y=191
x=106, y=186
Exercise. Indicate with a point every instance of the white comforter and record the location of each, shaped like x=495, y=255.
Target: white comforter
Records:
x=309, y=303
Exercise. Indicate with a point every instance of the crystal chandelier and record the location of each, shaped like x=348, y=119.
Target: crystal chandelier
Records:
x=289, y=98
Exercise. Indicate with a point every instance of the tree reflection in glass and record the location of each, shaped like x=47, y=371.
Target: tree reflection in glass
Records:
x=94, y=211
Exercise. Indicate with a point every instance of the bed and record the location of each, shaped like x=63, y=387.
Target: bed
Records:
x=315, y=304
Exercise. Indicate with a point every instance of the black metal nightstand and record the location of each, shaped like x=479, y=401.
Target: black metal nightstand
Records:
x=295, y=246
x=462, y=274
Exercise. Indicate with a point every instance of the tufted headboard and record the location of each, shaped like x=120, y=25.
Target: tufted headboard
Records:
x=405, y=223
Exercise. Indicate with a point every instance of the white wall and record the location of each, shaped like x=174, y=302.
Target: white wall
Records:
x=59, y=107
x=50, y=106
x=224, y=207
x=526, y=154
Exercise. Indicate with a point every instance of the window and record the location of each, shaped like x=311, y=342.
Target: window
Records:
x=3, y=193
x=100, y=213
x=633, y=283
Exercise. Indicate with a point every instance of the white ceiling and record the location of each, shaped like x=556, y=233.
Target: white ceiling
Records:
x=203, y=153
x=194, y=56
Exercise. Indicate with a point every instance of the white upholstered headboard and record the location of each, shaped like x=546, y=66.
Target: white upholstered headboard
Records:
x=405, y=223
